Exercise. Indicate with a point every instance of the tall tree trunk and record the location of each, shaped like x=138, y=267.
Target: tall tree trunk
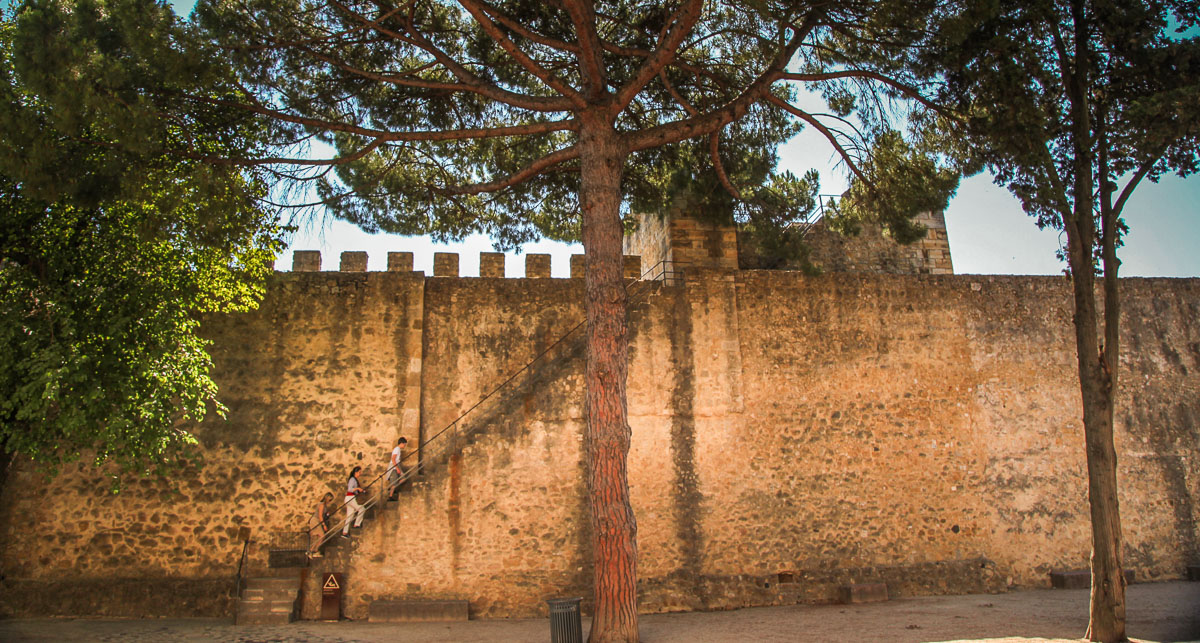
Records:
x=606, y=440
x=1106, y=620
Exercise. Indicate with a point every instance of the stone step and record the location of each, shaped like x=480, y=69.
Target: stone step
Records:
x=270, y=594
x=273, y=582
x=401, y=611
x=264, y=619
x=863, y=593
x=1079, y=579
x=267, y=607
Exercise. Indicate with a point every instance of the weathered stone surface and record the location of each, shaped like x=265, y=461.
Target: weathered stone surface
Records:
x=417, y=611
x=537, y=266
x=632, y=267
x=491, y=264
x=306, y=261
x=445, y=264
x=353, y=261
x=1080, y=579
x=863, y=593
x=399, y=261
x=918, y=431
x=578, y=266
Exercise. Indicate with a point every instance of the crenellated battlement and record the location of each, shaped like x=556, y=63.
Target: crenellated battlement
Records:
x=446, y=264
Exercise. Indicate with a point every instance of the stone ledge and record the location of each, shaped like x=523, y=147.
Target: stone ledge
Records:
x=862, y=593
x=1079, y=579
x=401, y=611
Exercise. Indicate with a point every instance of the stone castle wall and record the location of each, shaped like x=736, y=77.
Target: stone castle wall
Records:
x=790, y=433
x=693, y=242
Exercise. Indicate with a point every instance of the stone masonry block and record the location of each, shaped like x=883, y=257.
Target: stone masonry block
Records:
x=400, y=261
x=537, y=266
x=384, y=611
x=578, y=266
x=632, y=267
x=306, y=261
x=491, y=264
x=1079, y=579
x=863, y=593
x=353, y=261
x=445, y=264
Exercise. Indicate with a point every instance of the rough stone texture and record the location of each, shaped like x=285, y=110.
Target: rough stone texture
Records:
x=417, y=611
x=917, y=431
x=537, y=266
x=871, y=251
x=686, y=241
x=399, y=261
x=578, y=267
x=632, y=267
x=863, y=593
x=1080, y=579
x=353, y=261
x=306, y=261
x=491, y=264
x=445, y=264
x=317, y=380
x=692, y=243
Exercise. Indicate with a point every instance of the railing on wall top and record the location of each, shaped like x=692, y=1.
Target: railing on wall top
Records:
x=448, y=439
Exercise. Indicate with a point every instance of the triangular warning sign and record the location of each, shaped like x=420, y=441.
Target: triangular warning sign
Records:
x=331, y=583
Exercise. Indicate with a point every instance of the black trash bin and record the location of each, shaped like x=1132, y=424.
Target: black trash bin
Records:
x=565, y=626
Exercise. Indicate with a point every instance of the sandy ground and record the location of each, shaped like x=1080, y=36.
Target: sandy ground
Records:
x=1157, y=612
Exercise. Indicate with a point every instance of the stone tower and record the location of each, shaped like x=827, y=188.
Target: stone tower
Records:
x=701, y=244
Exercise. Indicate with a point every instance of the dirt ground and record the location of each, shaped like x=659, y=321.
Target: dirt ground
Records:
x=1156, y=612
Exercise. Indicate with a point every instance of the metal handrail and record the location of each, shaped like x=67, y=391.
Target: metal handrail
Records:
x=237, y=589
x=665, y=271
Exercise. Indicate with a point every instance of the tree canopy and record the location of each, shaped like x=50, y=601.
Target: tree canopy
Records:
x=1072, y=104
x=521, y=119
x=110, y=254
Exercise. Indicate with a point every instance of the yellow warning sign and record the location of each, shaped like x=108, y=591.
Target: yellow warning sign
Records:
x=331, y=583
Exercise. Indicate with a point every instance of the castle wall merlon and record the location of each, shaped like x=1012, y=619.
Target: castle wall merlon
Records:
x=400, y=261
x=491, y=264
x=447, y=264
x=353, y=261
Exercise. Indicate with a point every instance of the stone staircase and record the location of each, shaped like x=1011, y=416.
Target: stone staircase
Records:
x=268, y=601
x=337, y=552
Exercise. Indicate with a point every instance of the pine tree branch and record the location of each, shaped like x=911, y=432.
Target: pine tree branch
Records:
x=907, y=90
x=591, y=63
x=389, y=136
x=469, y=82
x=515, y=52
x=532, y=36
x=540, y=166
x=715, y=119
x=820, y=127
x=714, y=151
x=680, y=25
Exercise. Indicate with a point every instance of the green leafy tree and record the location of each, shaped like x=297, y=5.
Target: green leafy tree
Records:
x=1072, y=104
x=108, y=258
x=522, y=119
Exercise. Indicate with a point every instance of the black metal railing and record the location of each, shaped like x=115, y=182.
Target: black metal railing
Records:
x=244, y=534
x=664, y=272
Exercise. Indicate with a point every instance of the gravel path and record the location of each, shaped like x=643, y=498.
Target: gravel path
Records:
x=1157, y=612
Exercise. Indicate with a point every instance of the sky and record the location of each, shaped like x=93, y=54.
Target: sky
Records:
x=988, y=231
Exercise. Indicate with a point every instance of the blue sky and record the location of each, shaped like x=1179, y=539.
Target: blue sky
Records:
x=988, y=231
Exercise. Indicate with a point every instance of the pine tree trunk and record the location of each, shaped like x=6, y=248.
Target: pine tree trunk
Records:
x=606, y=440
x=1106, y=620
